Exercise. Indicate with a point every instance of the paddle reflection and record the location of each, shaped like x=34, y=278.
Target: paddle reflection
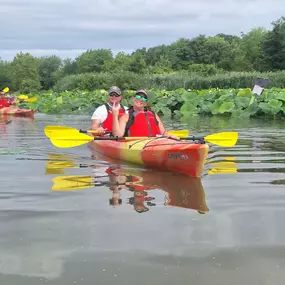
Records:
x=58, y=162
x=226, y=166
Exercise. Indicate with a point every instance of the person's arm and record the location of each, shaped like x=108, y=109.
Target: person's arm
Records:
x=97, y=118
x=95, y=124
x=163, y=131
x=119, y=125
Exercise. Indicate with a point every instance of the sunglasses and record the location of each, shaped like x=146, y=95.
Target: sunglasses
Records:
x=114, y=94
x=138, y=96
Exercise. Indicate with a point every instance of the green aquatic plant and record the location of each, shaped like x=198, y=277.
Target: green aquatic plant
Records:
x=237, y=103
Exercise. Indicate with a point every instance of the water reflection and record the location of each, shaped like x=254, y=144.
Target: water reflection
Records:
x=4, y=122
x=227, y=166
x=179, y=190
x=58, y=162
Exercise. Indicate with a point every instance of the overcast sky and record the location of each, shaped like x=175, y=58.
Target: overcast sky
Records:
x=68, y=27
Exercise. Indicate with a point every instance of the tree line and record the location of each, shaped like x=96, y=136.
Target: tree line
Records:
x=259, y=50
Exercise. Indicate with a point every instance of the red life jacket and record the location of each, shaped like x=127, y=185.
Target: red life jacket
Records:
x=108, y=123
x=142, y=124
x=4, y=103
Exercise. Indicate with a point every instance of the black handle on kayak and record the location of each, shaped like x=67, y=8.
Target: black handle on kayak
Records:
x=194, y=138
x=86, y=132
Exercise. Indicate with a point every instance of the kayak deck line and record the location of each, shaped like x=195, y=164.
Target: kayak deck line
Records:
x=179, y=142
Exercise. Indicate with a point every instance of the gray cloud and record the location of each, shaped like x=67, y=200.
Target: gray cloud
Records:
x=125, y=25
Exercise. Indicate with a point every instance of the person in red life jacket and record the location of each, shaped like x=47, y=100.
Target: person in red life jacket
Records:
x=4, y=102
x=12, y=98
x=140, y=121
x=102, y=118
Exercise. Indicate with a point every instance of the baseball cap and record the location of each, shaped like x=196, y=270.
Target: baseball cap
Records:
x=142, y=91
x=115, y=89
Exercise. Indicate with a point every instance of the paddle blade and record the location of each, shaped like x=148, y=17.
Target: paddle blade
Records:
x=51, y=131
x=32, y=99
x=179, y=133
x=6, y=89
x=225, y=139
x=23, y=97
x=67, y=183
x=71, y=140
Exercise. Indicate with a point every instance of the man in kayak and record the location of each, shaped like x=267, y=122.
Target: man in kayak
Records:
x=140, y=121
x=4, y=102
x=102, y=118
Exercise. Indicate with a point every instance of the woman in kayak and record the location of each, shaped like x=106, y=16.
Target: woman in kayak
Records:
x=4, y=102
x=140, y=121
x=102, y=117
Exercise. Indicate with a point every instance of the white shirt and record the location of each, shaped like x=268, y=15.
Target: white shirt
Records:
x=101, y=113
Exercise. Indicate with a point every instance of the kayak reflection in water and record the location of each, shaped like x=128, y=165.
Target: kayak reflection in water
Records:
x=181, y=191
x=132, y=183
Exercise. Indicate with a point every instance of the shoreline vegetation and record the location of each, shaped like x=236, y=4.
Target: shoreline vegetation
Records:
x=179, y=103
x=203, y=75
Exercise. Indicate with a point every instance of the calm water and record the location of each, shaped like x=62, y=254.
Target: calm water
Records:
x=126, y=225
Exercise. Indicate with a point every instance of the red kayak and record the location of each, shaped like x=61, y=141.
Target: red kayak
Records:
x=160, y=153
x=14, y=111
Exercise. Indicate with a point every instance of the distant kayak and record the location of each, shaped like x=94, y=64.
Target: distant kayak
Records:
x=17, y=112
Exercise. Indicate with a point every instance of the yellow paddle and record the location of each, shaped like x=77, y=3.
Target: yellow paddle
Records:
x=23, y=97
x=73, y=139
x=32, y=99
x=6, y=89
x=52, y=131
x=27, y=99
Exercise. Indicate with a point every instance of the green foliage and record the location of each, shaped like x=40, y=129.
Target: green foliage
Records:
x=4, y=74
x=24, y=68
x=234, y=102
x=29, y=85
x=93, y=81
x=47, y=70
x=93, y=60
x=204, y=69
x=251, y=47
x=274, y=46
x=181, y=103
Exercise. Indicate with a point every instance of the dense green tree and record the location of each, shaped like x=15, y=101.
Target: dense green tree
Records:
x=5, y=80
x=120, y=62
x=251, y=47
x=185, y=52
x=47, y=69
x=93, y=60
x=25, y=67
x=274, y=46
x=229, y=38
x=137, y=63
